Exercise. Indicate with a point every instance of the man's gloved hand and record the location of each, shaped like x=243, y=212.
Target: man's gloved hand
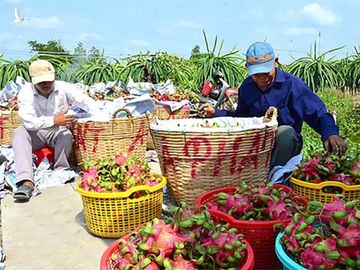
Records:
x=206, y=110
x=335, y=143
x=63, y=119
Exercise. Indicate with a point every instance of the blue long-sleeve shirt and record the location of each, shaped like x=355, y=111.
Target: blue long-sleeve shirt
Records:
x=294, y=100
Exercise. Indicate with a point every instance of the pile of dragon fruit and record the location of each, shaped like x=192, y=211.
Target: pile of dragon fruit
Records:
x=189, y=240
x=214, y=124
x=177, y=97
x=258, y=203
x=325, y=237
x=118, y=174
x=324, y=166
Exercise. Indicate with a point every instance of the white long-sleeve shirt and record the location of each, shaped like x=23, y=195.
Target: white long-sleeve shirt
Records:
x=37, y=111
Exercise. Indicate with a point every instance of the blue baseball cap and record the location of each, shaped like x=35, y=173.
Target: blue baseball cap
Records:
x=260, y=58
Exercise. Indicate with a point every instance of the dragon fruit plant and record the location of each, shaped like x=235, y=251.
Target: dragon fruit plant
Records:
x=118, y=174
x=324, y=166
x=258, y=203
x=327, y=236
x=190, y=240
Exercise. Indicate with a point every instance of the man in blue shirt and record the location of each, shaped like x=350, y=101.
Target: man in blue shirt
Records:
x=269, y=86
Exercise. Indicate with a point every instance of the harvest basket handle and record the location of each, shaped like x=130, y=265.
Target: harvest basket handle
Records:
x=122, y=109
x=270, y=115
x=129, y=116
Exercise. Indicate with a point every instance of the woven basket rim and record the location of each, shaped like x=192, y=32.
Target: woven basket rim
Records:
x=9, y=111
x=78, y=121
x=164, y=127
x=122, y=194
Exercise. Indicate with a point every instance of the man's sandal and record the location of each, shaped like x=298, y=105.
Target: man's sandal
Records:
x=23, y=193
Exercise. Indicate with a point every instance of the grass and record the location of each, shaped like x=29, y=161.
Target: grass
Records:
x=347, y=110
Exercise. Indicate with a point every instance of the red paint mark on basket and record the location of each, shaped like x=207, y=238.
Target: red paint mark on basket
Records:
x=96, y=138
x=195, y=144
x=80, y=141
x=2, y=127
x=252, y=157
x=81, y=133
x=219, y=158
x=169, y=162
x=139, y=137
x=235, y=148
x=2, y=120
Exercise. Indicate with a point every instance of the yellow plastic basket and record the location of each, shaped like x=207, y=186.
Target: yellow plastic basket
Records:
x=318, y=192
x=112, y=215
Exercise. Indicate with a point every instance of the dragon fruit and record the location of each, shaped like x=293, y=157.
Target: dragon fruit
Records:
x=324, y=166
x=257, y=202
x=189, y=240
x=355, y=169
x=118, y=174
x=325, y=237
x=90, y=179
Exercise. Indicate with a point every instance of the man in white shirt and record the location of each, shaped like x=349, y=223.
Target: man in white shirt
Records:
x=42, y=107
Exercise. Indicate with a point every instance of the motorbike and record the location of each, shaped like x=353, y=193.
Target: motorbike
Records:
x=219, y=93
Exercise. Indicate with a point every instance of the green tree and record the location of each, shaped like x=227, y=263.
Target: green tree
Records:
x=54, y=52
x=195, y=50
x=95, y=54
x=51, y=47
x=80, y=55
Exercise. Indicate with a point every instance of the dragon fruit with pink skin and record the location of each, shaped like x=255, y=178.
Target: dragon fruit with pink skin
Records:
x=190, y=240
x=256, y=202
x=90, y=179
x=121, y=159
x=118, y=174
x=324, y=166
x=179, y=263
x=326, y=237
x=355, y=170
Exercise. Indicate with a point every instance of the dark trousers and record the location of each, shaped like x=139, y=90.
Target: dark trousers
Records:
x=286, y=146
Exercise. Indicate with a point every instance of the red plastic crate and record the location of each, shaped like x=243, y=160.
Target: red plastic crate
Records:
x=105, y=265
x=260, y=234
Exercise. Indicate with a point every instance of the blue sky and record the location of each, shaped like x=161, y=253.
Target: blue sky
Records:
x=123, y=27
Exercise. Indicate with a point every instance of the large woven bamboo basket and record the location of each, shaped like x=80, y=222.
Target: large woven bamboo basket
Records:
x=164, y=113
x=9, y=121
x=194, y=162
x=98, y=140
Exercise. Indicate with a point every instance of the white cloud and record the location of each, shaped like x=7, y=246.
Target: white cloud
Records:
x=90, y=36
x=296, y=31
x=319, y=15
x=139, y=42
x=188, y=24
x=43, y=23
